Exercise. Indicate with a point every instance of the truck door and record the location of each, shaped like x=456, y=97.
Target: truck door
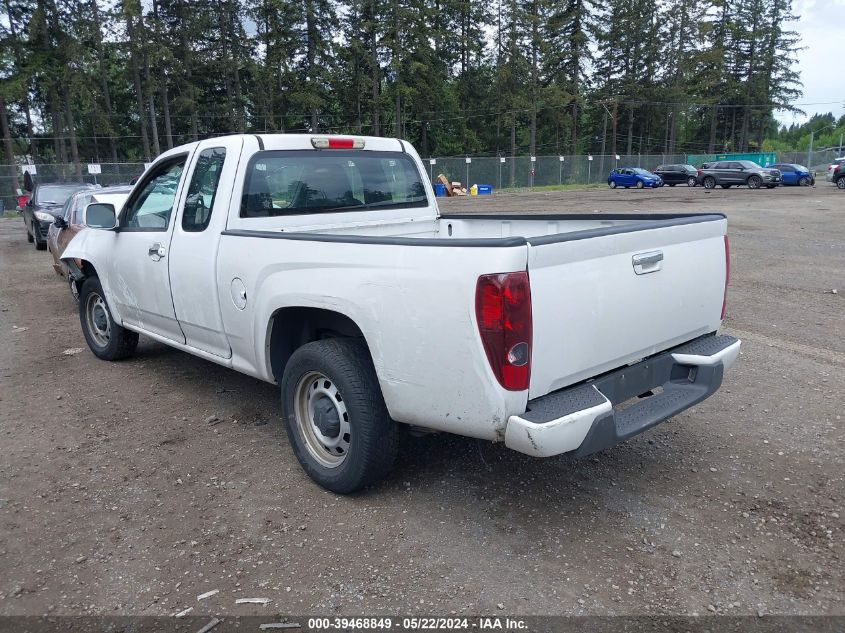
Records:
x=196, y=236
x=141, y=284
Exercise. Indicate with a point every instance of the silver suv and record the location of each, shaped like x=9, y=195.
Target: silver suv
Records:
x=728, y=173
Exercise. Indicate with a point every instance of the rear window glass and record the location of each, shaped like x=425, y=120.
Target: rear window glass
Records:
x=311, y=181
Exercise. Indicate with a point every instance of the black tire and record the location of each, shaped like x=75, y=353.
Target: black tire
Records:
x=691, y=182
x=671, y=184
x=804, y=181
x=726, y=186
x=29, y=237
x=345, y=365
x=39, y=245
x=120, y=342
x=754, y=182
x=840, y=182
x=709, y=182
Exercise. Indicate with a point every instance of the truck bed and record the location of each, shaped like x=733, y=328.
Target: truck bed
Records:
x=593, y=308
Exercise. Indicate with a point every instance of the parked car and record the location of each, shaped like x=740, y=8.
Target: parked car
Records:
x=831, y=169
x=727, y=173
x=838, y=176
x=678, y=175
x=793, y=174
x=633, y=177
x=322, y=264
x=45, y=206
x=72, y=220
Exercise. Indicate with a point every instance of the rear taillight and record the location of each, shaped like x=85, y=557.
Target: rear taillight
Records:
x=727, y=275
x=503, y=312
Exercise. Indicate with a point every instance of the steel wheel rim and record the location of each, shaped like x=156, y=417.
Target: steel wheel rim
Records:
x=841, y=183
x=690, y=182
x=99, y=320
x=322, y=419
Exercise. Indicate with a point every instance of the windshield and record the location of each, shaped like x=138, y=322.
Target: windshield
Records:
x=56, y=194
x=641, y=172
x=321, y=181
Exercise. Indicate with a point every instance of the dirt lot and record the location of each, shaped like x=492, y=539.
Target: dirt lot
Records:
x=118, y=497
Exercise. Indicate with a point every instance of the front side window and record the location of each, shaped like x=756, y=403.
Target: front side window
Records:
x=297, y=182
x=152, y=207
x=78, y=211
x=202, y=190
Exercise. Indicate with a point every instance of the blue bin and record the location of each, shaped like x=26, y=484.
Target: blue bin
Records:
x=485, y=190
x=439, y=190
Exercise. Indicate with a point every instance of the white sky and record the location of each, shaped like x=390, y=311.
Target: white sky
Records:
x=822, y=33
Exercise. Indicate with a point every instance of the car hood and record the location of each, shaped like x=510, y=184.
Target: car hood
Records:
x=771, y=172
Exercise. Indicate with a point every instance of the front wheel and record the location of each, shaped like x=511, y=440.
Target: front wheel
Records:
x=612, y=184
x=754, y=182
x=709, y=182
x=691, y=182
x=29, y=237
x=841, y=183
x=804, y=181
x=335, y=416
x=639, y=184
x=107, y=339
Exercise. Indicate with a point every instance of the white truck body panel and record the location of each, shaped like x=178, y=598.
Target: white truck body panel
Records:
x=407, y=278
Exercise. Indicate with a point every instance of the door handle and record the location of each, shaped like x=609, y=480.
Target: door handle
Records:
x=647, y=262
x=157, y=251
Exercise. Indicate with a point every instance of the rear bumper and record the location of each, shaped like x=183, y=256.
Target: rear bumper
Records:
x=587, y=418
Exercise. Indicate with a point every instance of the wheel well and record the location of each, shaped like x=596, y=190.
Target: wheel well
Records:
x=86, y=269
x=291, y=328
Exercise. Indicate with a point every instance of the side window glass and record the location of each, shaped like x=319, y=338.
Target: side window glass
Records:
x=152, y=207
x=66, y=209
x=203, y=189
x=78, y=211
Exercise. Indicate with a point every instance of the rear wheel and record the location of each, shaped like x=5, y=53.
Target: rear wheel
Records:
x=335, y=416
x=754, y=182
x=691, y=182
x=107, y=339
x=709, y=182
x=804, y=181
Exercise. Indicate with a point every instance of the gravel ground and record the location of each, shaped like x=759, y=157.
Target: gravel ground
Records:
x=118, y=496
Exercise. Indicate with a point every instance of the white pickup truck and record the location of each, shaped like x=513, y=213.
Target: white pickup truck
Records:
x=322, y=264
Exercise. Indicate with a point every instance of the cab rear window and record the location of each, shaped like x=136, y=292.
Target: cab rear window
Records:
x=296, y=182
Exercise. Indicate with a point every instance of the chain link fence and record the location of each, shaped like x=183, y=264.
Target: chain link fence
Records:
x=110, y=174
x=501, y=172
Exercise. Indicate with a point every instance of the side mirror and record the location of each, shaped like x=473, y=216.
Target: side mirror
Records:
x=60, y=223
x=101, y=215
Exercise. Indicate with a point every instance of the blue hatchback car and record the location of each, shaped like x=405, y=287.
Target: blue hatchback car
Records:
x=633, y=177
x=792, y=174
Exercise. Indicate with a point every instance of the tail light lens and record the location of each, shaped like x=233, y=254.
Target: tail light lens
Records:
x=727, y=275
x=336, y=142
x=503, y=312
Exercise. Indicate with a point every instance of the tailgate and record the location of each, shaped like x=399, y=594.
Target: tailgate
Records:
x=592, y=311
